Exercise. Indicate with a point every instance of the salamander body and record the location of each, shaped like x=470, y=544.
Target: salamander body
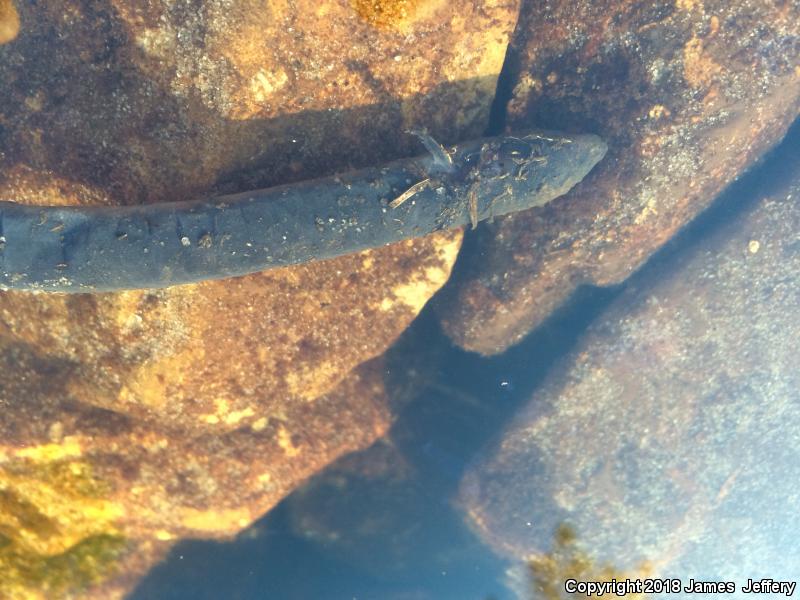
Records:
x=98, y=249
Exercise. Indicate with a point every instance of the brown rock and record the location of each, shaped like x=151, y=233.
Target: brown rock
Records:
x=192, y=410
x=687, y=95
x=668, y=440
x=9, y=21
x=76, y=478
x=221, y=355
x=151, y=101
x=136, y=104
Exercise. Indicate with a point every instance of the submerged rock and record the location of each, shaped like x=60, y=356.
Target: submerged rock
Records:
x=222, y=355
x=686, y=94
x=78, y=480
x=194, y=409
x=667, y=442
x=9, y=21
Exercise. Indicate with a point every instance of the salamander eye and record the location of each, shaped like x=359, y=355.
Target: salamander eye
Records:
x=515, y=149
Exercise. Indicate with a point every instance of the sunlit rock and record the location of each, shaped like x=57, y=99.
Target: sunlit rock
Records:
x=193, y=410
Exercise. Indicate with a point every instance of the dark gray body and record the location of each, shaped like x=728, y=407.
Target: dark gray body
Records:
x=94, y=249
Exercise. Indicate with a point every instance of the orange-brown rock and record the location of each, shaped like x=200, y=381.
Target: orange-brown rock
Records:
x=220, y=355
x=687, y=94
x=9, y=21
x=147, y=102
x=192, y=410
x=85, y=484
x=154, y=101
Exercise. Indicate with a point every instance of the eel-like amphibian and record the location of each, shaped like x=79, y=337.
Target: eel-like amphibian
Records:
x=99, y=249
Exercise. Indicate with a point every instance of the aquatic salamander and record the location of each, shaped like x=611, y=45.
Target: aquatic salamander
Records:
x=100, y=249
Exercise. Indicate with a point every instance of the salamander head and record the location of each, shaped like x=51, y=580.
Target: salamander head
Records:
x=522, y=157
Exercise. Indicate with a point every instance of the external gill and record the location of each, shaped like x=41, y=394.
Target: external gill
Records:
x=442, y=163
x=441, y=157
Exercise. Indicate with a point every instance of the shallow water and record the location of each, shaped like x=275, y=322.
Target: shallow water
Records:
x=400, y=535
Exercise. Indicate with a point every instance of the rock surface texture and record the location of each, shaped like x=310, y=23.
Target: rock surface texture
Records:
x=132, y=419
x=667, y=443
x=9, y=21
x=687, y=95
